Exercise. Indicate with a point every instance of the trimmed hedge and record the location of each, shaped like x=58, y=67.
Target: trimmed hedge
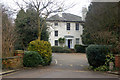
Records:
x=32, y=59
x=80, y=48
x=43, y=48
x=58, y=49
x=96, y=55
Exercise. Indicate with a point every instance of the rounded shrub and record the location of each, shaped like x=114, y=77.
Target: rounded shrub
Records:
x=96, y=55
x=32, y=59
x=43, y=48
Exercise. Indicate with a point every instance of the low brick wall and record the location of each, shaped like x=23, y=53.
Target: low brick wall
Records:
x=117, y=61
x=12, y=62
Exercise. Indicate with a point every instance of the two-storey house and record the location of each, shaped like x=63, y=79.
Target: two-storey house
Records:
x=65, y=25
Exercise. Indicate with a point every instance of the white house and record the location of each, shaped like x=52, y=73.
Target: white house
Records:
x=65, y=25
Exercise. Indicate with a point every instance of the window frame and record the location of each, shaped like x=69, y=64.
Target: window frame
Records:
x=77, y=40
x=56, y=33
x=68, y=26
x=77, y=26
x=56, y=44
x=56, y=24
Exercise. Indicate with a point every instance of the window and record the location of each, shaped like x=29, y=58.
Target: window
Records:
x=56, y=24
x=56, y=42
x=68, y=26
x=77, y=40
x=77, y=26
x=56, y=33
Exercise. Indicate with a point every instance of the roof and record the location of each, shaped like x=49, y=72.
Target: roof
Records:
x=66, y=17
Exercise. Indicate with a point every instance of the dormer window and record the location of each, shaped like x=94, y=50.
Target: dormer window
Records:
x=68, y=26
x=56, y=24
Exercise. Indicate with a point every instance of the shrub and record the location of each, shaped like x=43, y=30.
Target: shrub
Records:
x=43, y=48
x=32, y=59
x=109, y=58
x=96, y=55
x=58, y=49
x=61, y=41
x=80, y=48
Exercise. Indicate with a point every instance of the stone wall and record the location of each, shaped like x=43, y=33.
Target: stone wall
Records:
x=12, y=62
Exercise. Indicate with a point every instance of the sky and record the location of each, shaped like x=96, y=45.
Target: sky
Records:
x=77, y=9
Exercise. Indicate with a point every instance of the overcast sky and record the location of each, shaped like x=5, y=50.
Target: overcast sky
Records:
x=77, y=9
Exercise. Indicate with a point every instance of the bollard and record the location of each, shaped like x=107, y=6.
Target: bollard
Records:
x=111, y=64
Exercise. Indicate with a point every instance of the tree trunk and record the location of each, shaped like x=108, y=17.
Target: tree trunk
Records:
x=39, y=30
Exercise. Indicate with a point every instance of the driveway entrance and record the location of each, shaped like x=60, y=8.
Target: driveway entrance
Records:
x=63, y=66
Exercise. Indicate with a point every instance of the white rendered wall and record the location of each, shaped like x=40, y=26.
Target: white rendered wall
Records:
x=62, y=31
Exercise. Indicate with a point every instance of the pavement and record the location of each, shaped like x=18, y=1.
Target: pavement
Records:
x=4, y=72
x=63, y=66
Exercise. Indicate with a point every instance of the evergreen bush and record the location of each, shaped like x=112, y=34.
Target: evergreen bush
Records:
x=80, y=48
x=43, y=48
x=96, y=55
x=32, y=59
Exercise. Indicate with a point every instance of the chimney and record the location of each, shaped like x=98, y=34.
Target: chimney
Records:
x=60, y=14
x=84, y=11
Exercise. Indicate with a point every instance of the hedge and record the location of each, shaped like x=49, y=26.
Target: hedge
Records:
x=80, y=48
x=58, y=49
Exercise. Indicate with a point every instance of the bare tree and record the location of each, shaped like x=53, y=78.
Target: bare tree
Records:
x=8, y=35
x=44, y=8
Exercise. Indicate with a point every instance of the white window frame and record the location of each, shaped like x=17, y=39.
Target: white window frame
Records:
x=56, y=43
x=68, y=26
x=56, y=24
x=77, y=27
x=56, y=34
x=77, y=40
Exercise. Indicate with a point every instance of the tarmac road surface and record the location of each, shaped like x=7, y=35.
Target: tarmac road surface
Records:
x=70, y=65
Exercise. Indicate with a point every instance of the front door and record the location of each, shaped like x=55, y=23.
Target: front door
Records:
x=69, y=43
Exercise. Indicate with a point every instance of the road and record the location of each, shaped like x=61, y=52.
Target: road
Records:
x=63, y=66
